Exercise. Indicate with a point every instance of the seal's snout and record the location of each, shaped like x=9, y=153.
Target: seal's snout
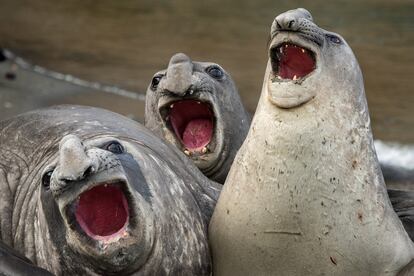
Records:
x=294, y=52
x=187, y=110
x=286, y=22
x=297, y=21
x=75, y=164
x=291, y=20
x=180, y=68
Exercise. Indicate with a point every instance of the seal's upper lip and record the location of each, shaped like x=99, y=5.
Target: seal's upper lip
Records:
x=291, y=61
x=192, y=122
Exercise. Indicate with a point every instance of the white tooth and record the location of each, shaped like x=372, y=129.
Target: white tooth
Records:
x=286, y=45
x=172, y=105
x=279, y=77
x=281, y=50
x=187, y=152
x=204, y=150
x=106, y=185
x=303, y=50
x=295, y=77
x=198, y=102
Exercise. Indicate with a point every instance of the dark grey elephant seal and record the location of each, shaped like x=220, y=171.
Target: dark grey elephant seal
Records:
x=196, y=107
x=305, y=194
x=88, y=191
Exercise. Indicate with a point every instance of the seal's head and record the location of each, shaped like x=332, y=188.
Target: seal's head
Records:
x=306, y=61
x=105, y=195
x=103, y=200
x=196, y=107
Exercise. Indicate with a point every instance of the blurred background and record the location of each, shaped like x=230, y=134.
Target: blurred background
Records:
x=123, y=43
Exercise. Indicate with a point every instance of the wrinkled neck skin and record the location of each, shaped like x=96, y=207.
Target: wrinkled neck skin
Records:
x=305, y=193
x=23, y=223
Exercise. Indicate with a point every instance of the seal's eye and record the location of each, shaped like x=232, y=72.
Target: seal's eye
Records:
x=46, y=179
x=333, y=38
x=155, y=81
x=115, y=147
x=215, y=72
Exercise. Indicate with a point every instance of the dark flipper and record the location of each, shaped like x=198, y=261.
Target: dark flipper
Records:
x=408, y=270
x=12, y=263
x=398, y=177
x=403, y=203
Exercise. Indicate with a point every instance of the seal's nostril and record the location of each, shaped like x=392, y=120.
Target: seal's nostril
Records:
x=88, y=172
x=278, y=25
x=291, y=22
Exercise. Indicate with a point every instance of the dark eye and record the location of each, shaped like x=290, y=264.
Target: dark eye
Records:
x=215, y=72
x=333, y=38
x=46, y=179
x=155, y=81
x=115, y=147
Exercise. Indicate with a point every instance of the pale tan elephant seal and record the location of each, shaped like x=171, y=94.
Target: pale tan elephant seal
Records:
x=305, y=195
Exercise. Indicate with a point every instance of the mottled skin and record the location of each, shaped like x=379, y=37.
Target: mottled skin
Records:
x=170, y=201
x=305, y=195
x=186, y=79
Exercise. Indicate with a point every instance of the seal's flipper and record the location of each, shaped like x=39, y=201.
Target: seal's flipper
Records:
x=13, y=263
x=403, y=203
x=407, y=270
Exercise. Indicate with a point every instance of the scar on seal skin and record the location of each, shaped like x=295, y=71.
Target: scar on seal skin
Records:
x=196, y=107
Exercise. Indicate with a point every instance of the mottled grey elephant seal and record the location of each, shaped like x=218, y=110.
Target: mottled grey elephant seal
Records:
x=305, y=194
x=108, y=198
x=196, y=107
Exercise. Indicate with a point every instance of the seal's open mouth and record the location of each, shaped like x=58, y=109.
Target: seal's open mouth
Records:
x=102, y=211
x=192, y=122
x=292, y=62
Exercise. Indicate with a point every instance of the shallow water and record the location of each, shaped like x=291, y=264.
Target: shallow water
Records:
x=126, y=42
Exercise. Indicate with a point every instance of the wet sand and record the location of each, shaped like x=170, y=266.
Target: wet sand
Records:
x=125, y=42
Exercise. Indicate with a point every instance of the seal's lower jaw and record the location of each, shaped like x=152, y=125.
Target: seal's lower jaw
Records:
x=291, y=64
x=103, y=212
x=192, y=123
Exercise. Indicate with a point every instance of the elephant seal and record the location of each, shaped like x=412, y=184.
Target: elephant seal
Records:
x=196, y=107
x=305, y=194
x=88, y=191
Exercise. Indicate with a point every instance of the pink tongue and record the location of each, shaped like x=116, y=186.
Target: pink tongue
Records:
x=102, y=210
x=197, y=133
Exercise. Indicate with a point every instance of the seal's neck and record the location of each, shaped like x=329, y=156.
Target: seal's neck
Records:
x=46, y=254
x=305, y=184
x=331, y=134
